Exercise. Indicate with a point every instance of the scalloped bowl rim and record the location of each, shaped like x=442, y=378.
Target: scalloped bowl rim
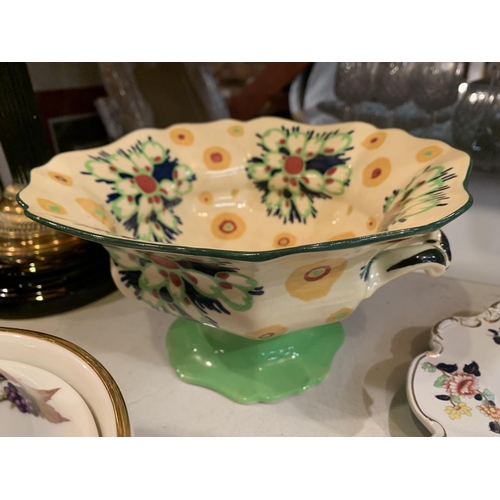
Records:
x=255, y=256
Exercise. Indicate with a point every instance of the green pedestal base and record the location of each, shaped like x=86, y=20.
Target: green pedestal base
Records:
x=250, y=371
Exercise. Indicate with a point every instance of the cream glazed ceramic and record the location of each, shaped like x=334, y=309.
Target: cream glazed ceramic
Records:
x=245, y=226
x=258, y=228
x=277, y=296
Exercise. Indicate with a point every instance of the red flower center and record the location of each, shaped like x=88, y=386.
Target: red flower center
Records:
x=294, y=165
x=464, y=386
x=146, y=183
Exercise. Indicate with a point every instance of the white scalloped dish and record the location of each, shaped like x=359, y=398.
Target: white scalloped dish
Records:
x=454, y=388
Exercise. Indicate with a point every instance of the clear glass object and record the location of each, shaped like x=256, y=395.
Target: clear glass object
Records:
x=435, y=86
x=476, y=121
x=353, y=84
x=393, y=86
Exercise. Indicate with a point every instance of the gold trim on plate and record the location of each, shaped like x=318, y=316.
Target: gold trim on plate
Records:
x=122, y=420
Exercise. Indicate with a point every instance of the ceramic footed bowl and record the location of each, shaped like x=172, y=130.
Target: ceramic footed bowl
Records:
x=258, y=228
x=266, y=229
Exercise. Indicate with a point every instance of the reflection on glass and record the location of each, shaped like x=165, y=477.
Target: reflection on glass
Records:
x=353, y=84
x=393, y=86
x=435, y=86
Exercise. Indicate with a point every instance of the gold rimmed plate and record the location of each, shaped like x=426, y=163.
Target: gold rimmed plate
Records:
x=29, y=393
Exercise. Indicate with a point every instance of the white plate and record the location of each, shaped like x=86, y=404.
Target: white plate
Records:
x=454, y=389
x=69, y=363
x=34, y=402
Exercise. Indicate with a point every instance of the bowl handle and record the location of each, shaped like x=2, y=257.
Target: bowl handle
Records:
x=430, y=252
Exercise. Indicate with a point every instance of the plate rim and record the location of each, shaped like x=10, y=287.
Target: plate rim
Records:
x=21, y=370
x=122, y=420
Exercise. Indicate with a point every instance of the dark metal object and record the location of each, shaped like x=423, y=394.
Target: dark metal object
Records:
x=21, y=131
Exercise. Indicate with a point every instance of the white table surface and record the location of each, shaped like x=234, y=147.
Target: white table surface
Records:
x=364, y=394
